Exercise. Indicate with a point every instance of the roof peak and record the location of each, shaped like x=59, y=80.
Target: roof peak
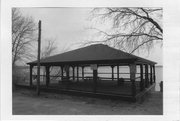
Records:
x=98, y=44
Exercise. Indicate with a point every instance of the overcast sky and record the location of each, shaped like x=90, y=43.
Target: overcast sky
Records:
x=70, y=26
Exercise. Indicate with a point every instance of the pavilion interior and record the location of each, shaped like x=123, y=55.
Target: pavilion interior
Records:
x=80, y=78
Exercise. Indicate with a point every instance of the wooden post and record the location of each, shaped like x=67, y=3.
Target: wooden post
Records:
x=38, y=63
x=146, y=76
x=83, y=72
x=117, y=72
x=47, y=76
x=132, y=78
x=154, y=73
x=77, y=73
x=151, y=75
x=31, y=67
x=73, y=72
x=62, y=73
x=141, y=77
x=67, y=72
x=95, y=80
x=67, y=76
x=112, y=72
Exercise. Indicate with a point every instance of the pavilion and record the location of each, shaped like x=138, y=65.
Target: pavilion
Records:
x=96, y=56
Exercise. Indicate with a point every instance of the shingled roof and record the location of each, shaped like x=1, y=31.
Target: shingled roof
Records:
x=92, y=54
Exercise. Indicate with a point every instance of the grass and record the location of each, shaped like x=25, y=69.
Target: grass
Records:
x=26, y=102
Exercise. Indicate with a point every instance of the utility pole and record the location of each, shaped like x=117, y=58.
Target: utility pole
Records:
x=38, y=58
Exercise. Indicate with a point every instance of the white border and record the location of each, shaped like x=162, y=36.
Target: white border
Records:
x=171, y=56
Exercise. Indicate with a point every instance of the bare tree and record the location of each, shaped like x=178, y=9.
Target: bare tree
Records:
x=132, y=28
x=49, y=49
x=23, y=29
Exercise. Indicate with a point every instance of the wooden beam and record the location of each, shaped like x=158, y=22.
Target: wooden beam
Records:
x=83, y=72
x=151, y=74
x=112, y=72
x=117, y=72
x=95, y=80
x=67, y=72
x=62, y=72
x=142, y=80
x=154, y=73
x=78, y=73
x=146, y=76
x=47, y=76
x=31, y=67
x=132, y=78
x=73, y=72
x=67, y=76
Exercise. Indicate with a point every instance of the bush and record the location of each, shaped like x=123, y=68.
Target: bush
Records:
x=19, y=76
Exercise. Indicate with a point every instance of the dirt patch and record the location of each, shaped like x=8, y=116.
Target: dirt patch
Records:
x=26, y=102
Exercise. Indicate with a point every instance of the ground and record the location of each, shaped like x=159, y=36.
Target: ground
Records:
x=26, y=102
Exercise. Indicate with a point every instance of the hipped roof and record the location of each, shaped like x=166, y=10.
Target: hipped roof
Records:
x=96, y=53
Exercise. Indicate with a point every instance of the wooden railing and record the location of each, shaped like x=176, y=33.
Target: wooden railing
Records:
x=85, y=78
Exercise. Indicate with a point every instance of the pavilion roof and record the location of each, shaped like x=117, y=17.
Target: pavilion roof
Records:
x=96, y=53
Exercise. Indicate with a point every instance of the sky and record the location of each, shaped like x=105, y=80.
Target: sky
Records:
x=71, y=26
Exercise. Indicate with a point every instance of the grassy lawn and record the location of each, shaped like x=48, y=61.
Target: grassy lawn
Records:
x=25, y=102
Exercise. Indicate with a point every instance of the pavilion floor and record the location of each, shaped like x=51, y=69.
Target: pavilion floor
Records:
x=103, y=86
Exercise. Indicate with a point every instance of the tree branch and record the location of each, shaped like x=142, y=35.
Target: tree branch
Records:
x=140, y=45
